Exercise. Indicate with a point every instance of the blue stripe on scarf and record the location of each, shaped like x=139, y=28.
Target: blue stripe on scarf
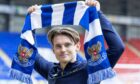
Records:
x=27, y=24
x=92, y=14
x=46, y=15
x=69, y=13
x=85, y=20
x=88, y=18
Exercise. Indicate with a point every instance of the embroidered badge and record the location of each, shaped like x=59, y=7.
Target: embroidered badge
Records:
x=23, y=56
x=94, y=50
x=24, y=53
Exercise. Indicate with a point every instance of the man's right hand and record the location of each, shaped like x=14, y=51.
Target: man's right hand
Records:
x=93, y=3
x=32, y=8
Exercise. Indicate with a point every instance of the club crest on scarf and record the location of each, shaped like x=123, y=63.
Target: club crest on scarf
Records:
x=23, y=56
x=24, y=53
x=94, y=50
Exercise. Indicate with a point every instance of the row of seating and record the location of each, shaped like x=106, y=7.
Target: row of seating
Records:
x=129, y=57
x=135, y=42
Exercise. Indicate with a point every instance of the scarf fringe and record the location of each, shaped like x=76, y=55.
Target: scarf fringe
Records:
x=20, y=76
x=101, y=75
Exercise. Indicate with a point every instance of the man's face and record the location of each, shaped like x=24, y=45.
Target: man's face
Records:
x=65, y=49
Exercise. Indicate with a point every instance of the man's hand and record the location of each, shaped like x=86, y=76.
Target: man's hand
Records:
x=93, y=3
x=32, y=8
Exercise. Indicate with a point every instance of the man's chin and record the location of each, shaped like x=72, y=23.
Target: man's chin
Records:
x=64, y=61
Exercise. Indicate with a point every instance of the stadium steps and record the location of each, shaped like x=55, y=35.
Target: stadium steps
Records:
x=130, y=55
x=135, y=43
x=129, y=62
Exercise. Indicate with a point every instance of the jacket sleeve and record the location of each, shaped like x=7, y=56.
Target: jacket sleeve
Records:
x=114, y=42
x=42, y=66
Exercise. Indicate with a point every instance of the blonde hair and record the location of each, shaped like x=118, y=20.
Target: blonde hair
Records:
x=70, y=32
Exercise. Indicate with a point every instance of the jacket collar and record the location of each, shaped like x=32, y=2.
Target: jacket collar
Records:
x=57, y=72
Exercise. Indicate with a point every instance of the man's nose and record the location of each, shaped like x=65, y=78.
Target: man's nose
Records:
x=63, y=48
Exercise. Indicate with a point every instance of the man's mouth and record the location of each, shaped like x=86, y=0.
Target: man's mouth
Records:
x=63, y=55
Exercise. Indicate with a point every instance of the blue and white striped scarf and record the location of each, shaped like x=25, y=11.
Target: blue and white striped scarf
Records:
x=70, y=13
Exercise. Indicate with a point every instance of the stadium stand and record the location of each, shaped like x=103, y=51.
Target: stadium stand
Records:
x=135, y=42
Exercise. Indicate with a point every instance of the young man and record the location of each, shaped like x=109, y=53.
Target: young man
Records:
x=72, y=69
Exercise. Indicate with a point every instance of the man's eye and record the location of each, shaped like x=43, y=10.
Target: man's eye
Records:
x=68, y=44
x=58, y=46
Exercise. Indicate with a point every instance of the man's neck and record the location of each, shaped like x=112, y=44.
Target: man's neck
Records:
x=63, y=65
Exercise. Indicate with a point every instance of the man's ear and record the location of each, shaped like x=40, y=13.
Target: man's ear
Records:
x=78, y=45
